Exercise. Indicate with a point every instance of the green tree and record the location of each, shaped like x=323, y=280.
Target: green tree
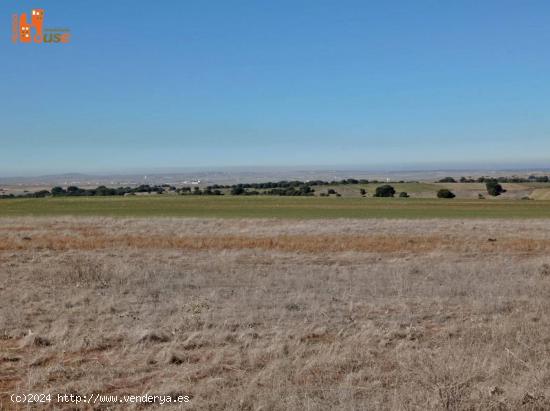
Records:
x=385, y=191
x=494, y=188
x=237, y=190
x=444, y=193
x=58, y=191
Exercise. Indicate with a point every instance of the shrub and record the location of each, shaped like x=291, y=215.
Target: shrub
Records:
x=447, y=180
x=104, y=191
x=494, y=188
x=403, y=194
x=385, y=191
x=444, y=193
x=41, y=193
x=363, y=191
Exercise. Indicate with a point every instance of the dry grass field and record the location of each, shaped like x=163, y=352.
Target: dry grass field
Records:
x=264, y=314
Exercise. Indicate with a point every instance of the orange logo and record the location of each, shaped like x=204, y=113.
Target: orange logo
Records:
x=33, y=31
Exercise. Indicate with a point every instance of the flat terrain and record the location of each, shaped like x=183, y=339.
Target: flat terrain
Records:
x=249, y=314
x=463, y=191
x=415, y=189
x=275, y=207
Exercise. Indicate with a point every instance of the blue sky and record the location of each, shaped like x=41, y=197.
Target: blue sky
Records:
x=146, y=85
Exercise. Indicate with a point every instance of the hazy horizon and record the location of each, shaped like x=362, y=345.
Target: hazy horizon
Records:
x=272, y=169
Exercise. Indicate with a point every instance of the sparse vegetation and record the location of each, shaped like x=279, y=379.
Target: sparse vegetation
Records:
x=345, y=187
x=279, y=188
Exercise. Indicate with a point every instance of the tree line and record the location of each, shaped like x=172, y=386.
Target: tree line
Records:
x=280, y=188
x=74, y=191
x=514, y=179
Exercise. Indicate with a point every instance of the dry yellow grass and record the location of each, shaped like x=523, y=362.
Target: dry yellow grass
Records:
x=541, y=194
x=279, y=315
x=288, y=243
